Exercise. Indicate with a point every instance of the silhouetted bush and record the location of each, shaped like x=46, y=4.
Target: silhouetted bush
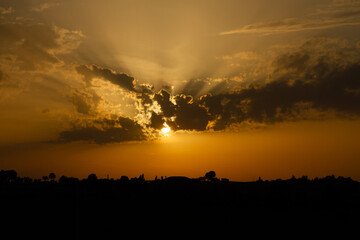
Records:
x=52, y=176
x=68, y=180
x=124, y=179
x=92, y=178
x=26, y=180
x=7, y=176
x=210, y=176
x=225, y=180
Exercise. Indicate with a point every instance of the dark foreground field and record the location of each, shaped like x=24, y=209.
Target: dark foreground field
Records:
x=106, y=207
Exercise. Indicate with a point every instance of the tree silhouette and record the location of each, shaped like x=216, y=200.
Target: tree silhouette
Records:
x=52, y=176
x=210, y=175
x=45, y=178
x=141, y=178
x=92, y=178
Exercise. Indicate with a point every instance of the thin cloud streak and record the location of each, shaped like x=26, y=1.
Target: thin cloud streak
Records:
x=332, y=16
x=44, y=6
x=287, y=26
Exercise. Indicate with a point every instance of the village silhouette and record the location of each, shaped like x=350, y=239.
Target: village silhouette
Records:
x=98, y=207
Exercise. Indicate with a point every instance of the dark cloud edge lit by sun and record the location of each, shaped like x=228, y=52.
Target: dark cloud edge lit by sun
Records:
x=317, y=79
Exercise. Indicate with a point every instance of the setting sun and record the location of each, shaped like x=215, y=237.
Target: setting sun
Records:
x=165, y=129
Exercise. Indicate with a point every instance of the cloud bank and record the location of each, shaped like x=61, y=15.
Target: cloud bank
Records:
x=315, y=80
x=320, y=77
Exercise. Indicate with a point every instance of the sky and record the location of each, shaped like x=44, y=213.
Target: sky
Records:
x=247, y=89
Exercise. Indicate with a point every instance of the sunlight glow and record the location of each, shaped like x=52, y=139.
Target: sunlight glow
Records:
x=165, y=129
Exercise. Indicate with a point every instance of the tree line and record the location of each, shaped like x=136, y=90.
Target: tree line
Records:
x=11, y=176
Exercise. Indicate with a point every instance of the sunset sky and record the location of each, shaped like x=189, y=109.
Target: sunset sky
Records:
x=245, y=88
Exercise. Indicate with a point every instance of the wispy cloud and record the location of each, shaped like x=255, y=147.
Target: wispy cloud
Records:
x=44, y=6
x=339, y=13
x=290, y=25
x=8, y=10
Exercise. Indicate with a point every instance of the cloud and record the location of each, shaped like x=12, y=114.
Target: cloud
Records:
x=199, y=87
x=244, y=55
x=104, y=131
x=45, y=6
x=292, y=25
x=45, y=110
x=189, y=114
x=337, y=14
x=180, y=112
x=8, y=10
x=302, y=80
x=195, y=87
x=315, y=80
x=120, y=79
x=312, y=81
x=32, y=46
x=164, y=99
x=85, y=101
x=80, y=103
x=156, y=121
x=319, y=76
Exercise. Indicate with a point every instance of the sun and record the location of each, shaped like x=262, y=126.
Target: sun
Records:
x=166, y=129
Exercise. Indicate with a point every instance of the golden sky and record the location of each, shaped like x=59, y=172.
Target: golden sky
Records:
x=247, y=88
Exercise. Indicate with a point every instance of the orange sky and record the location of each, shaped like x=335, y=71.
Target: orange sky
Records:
x=313, y=149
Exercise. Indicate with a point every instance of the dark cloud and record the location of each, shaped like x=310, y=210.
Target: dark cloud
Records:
x=224, y=109
x=144, y=88
x=194, y=87
x=28, y=42
x=146, y=99
x=167, y=87
x=81, y=105
x=37, y=35
x=301, y=80
x=167, y=106
x=85, y=101
x=120, y=79
x=321, y=76
x=313, y=79
x=157, y=121
x=45, y=110
x=189, y=114
x=105, y=131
